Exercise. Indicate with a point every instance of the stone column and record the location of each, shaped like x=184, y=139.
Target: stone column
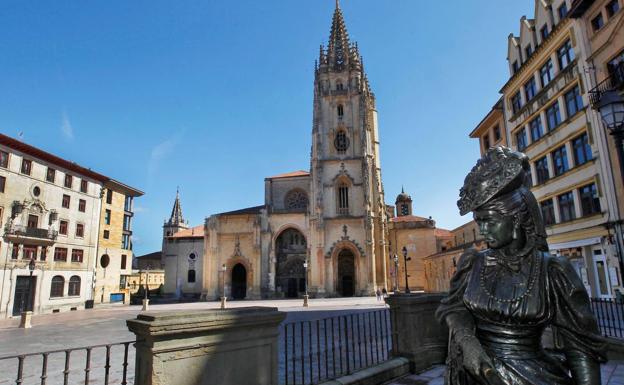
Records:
x=417, y=335
x=231, y=346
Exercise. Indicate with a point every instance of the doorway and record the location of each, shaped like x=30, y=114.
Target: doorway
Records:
x=24, y=294
x=239, y=282
x=346, y=273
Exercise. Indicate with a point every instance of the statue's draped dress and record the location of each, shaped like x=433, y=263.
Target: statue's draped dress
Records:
x=511, y=303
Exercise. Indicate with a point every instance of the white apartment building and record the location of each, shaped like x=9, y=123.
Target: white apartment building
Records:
x=49, y=214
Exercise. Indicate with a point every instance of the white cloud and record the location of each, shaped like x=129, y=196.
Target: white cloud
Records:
x=161, y=151
x=66, y=127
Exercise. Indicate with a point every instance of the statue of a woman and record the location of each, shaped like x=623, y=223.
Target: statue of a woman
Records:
x=502, y=298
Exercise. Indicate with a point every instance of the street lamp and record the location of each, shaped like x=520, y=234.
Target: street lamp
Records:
x=223, y=297
x=31, y=268
x=611, y=108
x=305, y=283
x=405, y=259
x=396, y=273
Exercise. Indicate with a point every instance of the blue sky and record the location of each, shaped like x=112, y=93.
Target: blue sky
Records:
x=215, y=95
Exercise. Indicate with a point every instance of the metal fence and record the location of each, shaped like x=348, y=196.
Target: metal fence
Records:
x=610, y=315
x=98, y=364
x=327, y=348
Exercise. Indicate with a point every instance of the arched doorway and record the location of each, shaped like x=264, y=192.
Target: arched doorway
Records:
x=239, y=281
x=290, y=251
x=346, y=273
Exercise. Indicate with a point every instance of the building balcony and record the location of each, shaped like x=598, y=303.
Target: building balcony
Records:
x=33, y=234
x=615, y=82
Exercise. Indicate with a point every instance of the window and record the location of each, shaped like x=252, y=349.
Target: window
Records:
x=57, y=286
x=544, y=32
x=516, y=102
x=82, y=205
x=486, y=142
x=44, y=253
x=15, y=251
x=590, y=203
x=497, y=133
x=63, y=225
x=582, y=150
x=51, y=175
x=562, y=11
x=79, y=230
x=339, y=86
x=109, y=196
x=191, y=276
x=340, y=110
x=612, y=7
x=126, y=222
x=60, y=254
x=553, y=116
x=548, y=212
x=33, y=221
x=125, y=242
x=69, y=180
x=536, y=129
x=566, y=207
x=528, y=50
x=29, y=252
x=124, y=259
x=547, y=73
x=565, y=55
x=343, y=199
x=4, y=159
x=74, y=286
x=574, y=101
x=128, y=203
x=597, y=22
x=77, y=255
x=296, y=200
x=541, y=169
x=1, y=217
x=26, y=166
x=65, y=202
x=2, y=183
x=84, y=185
x=530, y=89
x=560, y=160
x=341, y=142
x=515, y=67
x=107, y=217
x=106, y=234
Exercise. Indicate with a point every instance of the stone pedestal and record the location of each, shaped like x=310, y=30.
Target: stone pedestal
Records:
x=223, y=302
x=25, y=320
x=417, y=335
x=232, y=346
x=145, y=305
x=305, y=300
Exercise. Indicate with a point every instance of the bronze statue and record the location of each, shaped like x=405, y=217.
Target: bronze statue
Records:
x=502, y=298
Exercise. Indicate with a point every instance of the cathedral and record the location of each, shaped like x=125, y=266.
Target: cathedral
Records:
x=322, y=230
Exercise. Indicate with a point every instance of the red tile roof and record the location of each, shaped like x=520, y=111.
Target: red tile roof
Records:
x=193, y=232
x=290, y=174
x=442, y=233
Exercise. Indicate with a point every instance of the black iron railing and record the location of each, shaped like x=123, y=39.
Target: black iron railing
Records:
x=98, y=364
x=615, y=81
x=324, y=349
x=610, y=315
x=33, y=232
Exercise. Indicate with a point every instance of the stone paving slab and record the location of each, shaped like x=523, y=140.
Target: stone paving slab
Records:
x=612, y=373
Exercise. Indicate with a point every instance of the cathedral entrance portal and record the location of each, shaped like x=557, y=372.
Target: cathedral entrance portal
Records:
x=346, y=273
x=291, y=251
x=239, y=281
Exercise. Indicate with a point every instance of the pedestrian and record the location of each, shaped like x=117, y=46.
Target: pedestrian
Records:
x=384, y=292
x=378, y=294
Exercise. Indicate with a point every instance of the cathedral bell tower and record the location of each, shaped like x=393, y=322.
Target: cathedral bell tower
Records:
x=176, y=220
x=347, y=211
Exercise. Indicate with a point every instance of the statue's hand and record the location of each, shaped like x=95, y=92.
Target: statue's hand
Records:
x=476, y=360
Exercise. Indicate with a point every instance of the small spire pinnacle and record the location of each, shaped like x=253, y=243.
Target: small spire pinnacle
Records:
x=337, y=4
x=176, y=213
x=402, y=190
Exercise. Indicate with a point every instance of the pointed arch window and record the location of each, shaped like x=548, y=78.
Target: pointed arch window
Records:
x=340, y=111
x=343, y=198
x=341, y=142
x=191, y=276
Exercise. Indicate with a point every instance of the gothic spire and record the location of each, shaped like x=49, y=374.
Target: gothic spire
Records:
x=176, y=213
x=338, y=48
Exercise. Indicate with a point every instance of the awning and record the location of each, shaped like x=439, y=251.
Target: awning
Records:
x=575, y=244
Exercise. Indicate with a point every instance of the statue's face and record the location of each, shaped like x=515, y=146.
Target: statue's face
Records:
x=497, y=229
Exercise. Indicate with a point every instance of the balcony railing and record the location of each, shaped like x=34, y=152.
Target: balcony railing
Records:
x=615, y=81
x=30, y=232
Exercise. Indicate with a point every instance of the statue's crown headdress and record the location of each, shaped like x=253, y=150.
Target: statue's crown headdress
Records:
x=498, y=171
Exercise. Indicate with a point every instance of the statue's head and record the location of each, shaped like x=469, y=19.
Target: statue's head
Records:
x=497, y=192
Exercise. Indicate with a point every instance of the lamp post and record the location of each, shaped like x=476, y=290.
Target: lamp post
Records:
x=223, y=297
x=611, y=108
x=305, y=283
x=405, y=259
x=26, y=314
x=396, y=273
x=146, y=299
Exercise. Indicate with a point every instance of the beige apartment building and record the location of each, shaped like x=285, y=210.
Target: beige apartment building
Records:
x=491, y=130
x=547, y=116
x=114, y=264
